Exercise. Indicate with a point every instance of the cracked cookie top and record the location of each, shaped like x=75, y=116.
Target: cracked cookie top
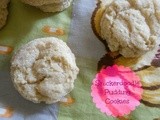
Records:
x=131, y=27
x=44, y=70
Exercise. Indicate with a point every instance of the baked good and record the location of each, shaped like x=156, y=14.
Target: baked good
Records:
x=117, y=23
x=49, y=5
x=126, y=30
x=44, y=70
x=41, y=2
x=3, y=12
x=122, y=27
x=55, y=6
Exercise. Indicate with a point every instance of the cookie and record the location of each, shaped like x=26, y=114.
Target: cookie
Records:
x=148, y=73
x=97, y=15
x=151, y=96
x=56, y=7
x=3, y=16
x=44, y=70
x=146, y=65
x=150, y=76
x=3, y=12
x=41, y=2
x=138, y=62
x=124, y=28
x=4, y=3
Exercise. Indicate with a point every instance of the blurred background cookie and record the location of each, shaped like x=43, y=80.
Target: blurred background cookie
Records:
x=49, y=5
x=44, y=70
x=3, y=12
x=55, y=7
x=41, y=2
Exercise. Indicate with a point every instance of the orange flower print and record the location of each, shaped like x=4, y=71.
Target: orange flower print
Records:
x=53, y=31
x=66, y=101
x=5, y=50
x=6, y=112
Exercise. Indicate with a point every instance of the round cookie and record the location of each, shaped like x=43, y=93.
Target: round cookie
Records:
x=113, y=7
x=3, y=12
x=56, y=7
x=44, y=70
x=126, y=30
x=41, y=2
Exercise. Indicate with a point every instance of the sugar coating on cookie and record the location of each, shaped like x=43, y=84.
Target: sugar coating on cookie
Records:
x=44, y=70
x=131, y=27
x=3, y=12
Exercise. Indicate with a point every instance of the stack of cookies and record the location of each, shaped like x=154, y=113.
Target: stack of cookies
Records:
x=3, y=12
x=130, y=30
x=49, y=5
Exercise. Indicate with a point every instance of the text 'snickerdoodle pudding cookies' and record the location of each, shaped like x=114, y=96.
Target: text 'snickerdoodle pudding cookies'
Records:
x=130, y=31
x=44, y=70
x=49, y=5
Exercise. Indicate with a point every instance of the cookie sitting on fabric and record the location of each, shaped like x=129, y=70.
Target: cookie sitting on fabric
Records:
x=3, y=12
x=44, y=70
x=125, y=27
x=49, y=5
x=131, y=29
